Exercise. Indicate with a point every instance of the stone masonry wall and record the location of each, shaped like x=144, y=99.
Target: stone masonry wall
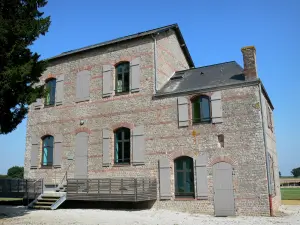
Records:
x=271, y=146
x=241, y=128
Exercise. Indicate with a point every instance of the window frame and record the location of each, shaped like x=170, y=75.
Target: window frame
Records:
x=49, y=147
x=184, y=171
x=200, y=120
x=122, y=64
x=123, y=140
x=51, y=92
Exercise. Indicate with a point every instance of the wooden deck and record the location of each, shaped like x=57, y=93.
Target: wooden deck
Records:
x=112, y=189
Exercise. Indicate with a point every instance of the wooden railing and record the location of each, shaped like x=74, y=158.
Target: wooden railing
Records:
x=112, y=189
x=21, y=188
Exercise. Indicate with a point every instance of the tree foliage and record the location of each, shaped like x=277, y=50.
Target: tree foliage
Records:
x=296, y=172
x=15, y=172
x=21, y=23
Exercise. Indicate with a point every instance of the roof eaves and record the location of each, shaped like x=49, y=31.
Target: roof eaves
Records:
x=129, y=37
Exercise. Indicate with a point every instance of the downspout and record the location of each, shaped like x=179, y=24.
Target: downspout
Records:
x=266, y=152
x=155, y=63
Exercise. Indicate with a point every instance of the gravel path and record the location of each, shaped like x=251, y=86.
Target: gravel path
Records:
x=20, y=215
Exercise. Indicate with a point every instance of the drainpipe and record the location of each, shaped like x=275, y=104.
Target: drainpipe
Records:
x=155, y=63
x=266, y=152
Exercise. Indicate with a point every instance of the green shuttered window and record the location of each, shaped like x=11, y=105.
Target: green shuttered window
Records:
x=201, y=109
x=47, y=157
x=122, y=77
x=50, y=92
x=122, y=145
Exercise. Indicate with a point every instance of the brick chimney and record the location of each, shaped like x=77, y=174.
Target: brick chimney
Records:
x=249, y=57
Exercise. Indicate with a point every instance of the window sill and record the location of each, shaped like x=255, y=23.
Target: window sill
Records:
x=46, y=167
x=184, y=199
x=121, y=165
x=198, y=123
x=122, y=93
x=49, y=106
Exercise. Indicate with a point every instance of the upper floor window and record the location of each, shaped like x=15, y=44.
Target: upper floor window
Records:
x=50, y=92
x=122, y=77
x=269, y=118
x=47, y=157
x=122, y=145
x=201, y=109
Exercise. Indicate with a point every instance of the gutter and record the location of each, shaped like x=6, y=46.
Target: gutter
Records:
x=266, y=151
x=155, y=62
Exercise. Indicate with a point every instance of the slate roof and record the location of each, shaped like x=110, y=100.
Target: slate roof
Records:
x=204, y=77
x=175, y=27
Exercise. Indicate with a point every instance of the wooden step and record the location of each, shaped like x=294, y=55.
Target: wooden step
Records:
x=48, y=199
x=41, y=207
x=44, y=203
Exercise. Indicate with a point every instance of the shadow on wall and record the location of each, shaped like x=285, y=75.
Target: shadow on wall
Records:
x=127, y=206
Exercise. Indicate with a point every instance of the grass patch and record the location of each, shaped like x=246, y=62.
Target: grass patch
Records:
x=10, y=199
x=290, y=193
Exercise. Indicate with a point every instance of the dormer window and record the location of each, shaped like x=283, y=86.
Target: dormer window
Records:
x=122, y=77
x=201, y=109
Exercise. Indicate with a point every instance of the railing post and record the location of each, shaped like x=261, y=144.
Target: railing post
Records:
x=109, y=188
x=77, y=186
x=26, y=184
x=98, y=186
x=135, y=188
x=18, y=187
x=87, y=186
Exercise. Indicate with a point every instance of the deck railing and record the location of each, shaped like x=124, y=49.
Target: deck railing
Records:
x=112, y=189
x=21, y=188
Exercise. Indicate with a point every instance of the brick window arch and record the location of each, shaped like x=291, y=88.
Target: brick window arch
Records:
x=122, y=77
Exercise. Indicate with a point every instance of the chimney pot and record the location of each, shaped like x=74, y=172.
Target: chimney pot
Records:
x=249, y=57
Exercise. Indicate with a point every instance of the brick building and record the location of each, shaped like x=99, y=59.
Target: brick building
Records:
x=138, y=107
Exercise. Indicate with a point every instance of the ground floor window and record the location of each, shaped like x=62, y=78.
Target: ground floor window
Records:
x=184, y=177
x=122, y=145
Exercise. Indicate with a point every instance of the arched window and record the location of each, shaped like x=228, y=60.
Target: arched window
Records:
x=184, y=177
x=47, y=157
x=122, y=77
x=50, y=92
x=122, y=145
x=201, y=109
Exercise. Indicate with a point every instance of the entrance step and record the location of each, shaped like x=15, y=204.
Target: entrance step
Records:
x=48, y=201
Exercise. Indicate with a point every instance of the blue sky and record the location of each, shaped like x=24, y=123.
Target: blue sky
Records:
x=214, y=32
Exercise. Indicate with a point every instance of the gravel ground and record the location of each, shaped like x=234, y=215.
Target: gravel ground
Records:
x=20, y=215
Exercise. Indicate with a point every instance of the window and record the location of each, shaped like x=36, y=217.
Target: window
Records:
x=47, y=157
x=50, y=92
x=201, y=109
x=184, y=177
x=122, y=145
x=122, y=77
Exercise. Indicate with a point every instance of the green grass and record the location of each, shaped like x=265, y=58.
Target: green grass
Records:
x=290, y=193
x=10, y=199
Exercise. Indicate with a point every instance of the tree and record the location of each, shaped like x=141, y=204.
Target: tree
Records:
x=296, y=172
x=21, y=23
x=16, y=172
x=3, y=176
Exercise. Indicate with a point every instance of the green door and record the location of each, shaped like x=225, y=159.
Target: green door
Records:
x=184, y=177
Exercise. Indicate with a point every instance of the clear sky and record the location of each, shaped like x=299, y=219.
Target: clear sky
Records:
x=214, y=31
